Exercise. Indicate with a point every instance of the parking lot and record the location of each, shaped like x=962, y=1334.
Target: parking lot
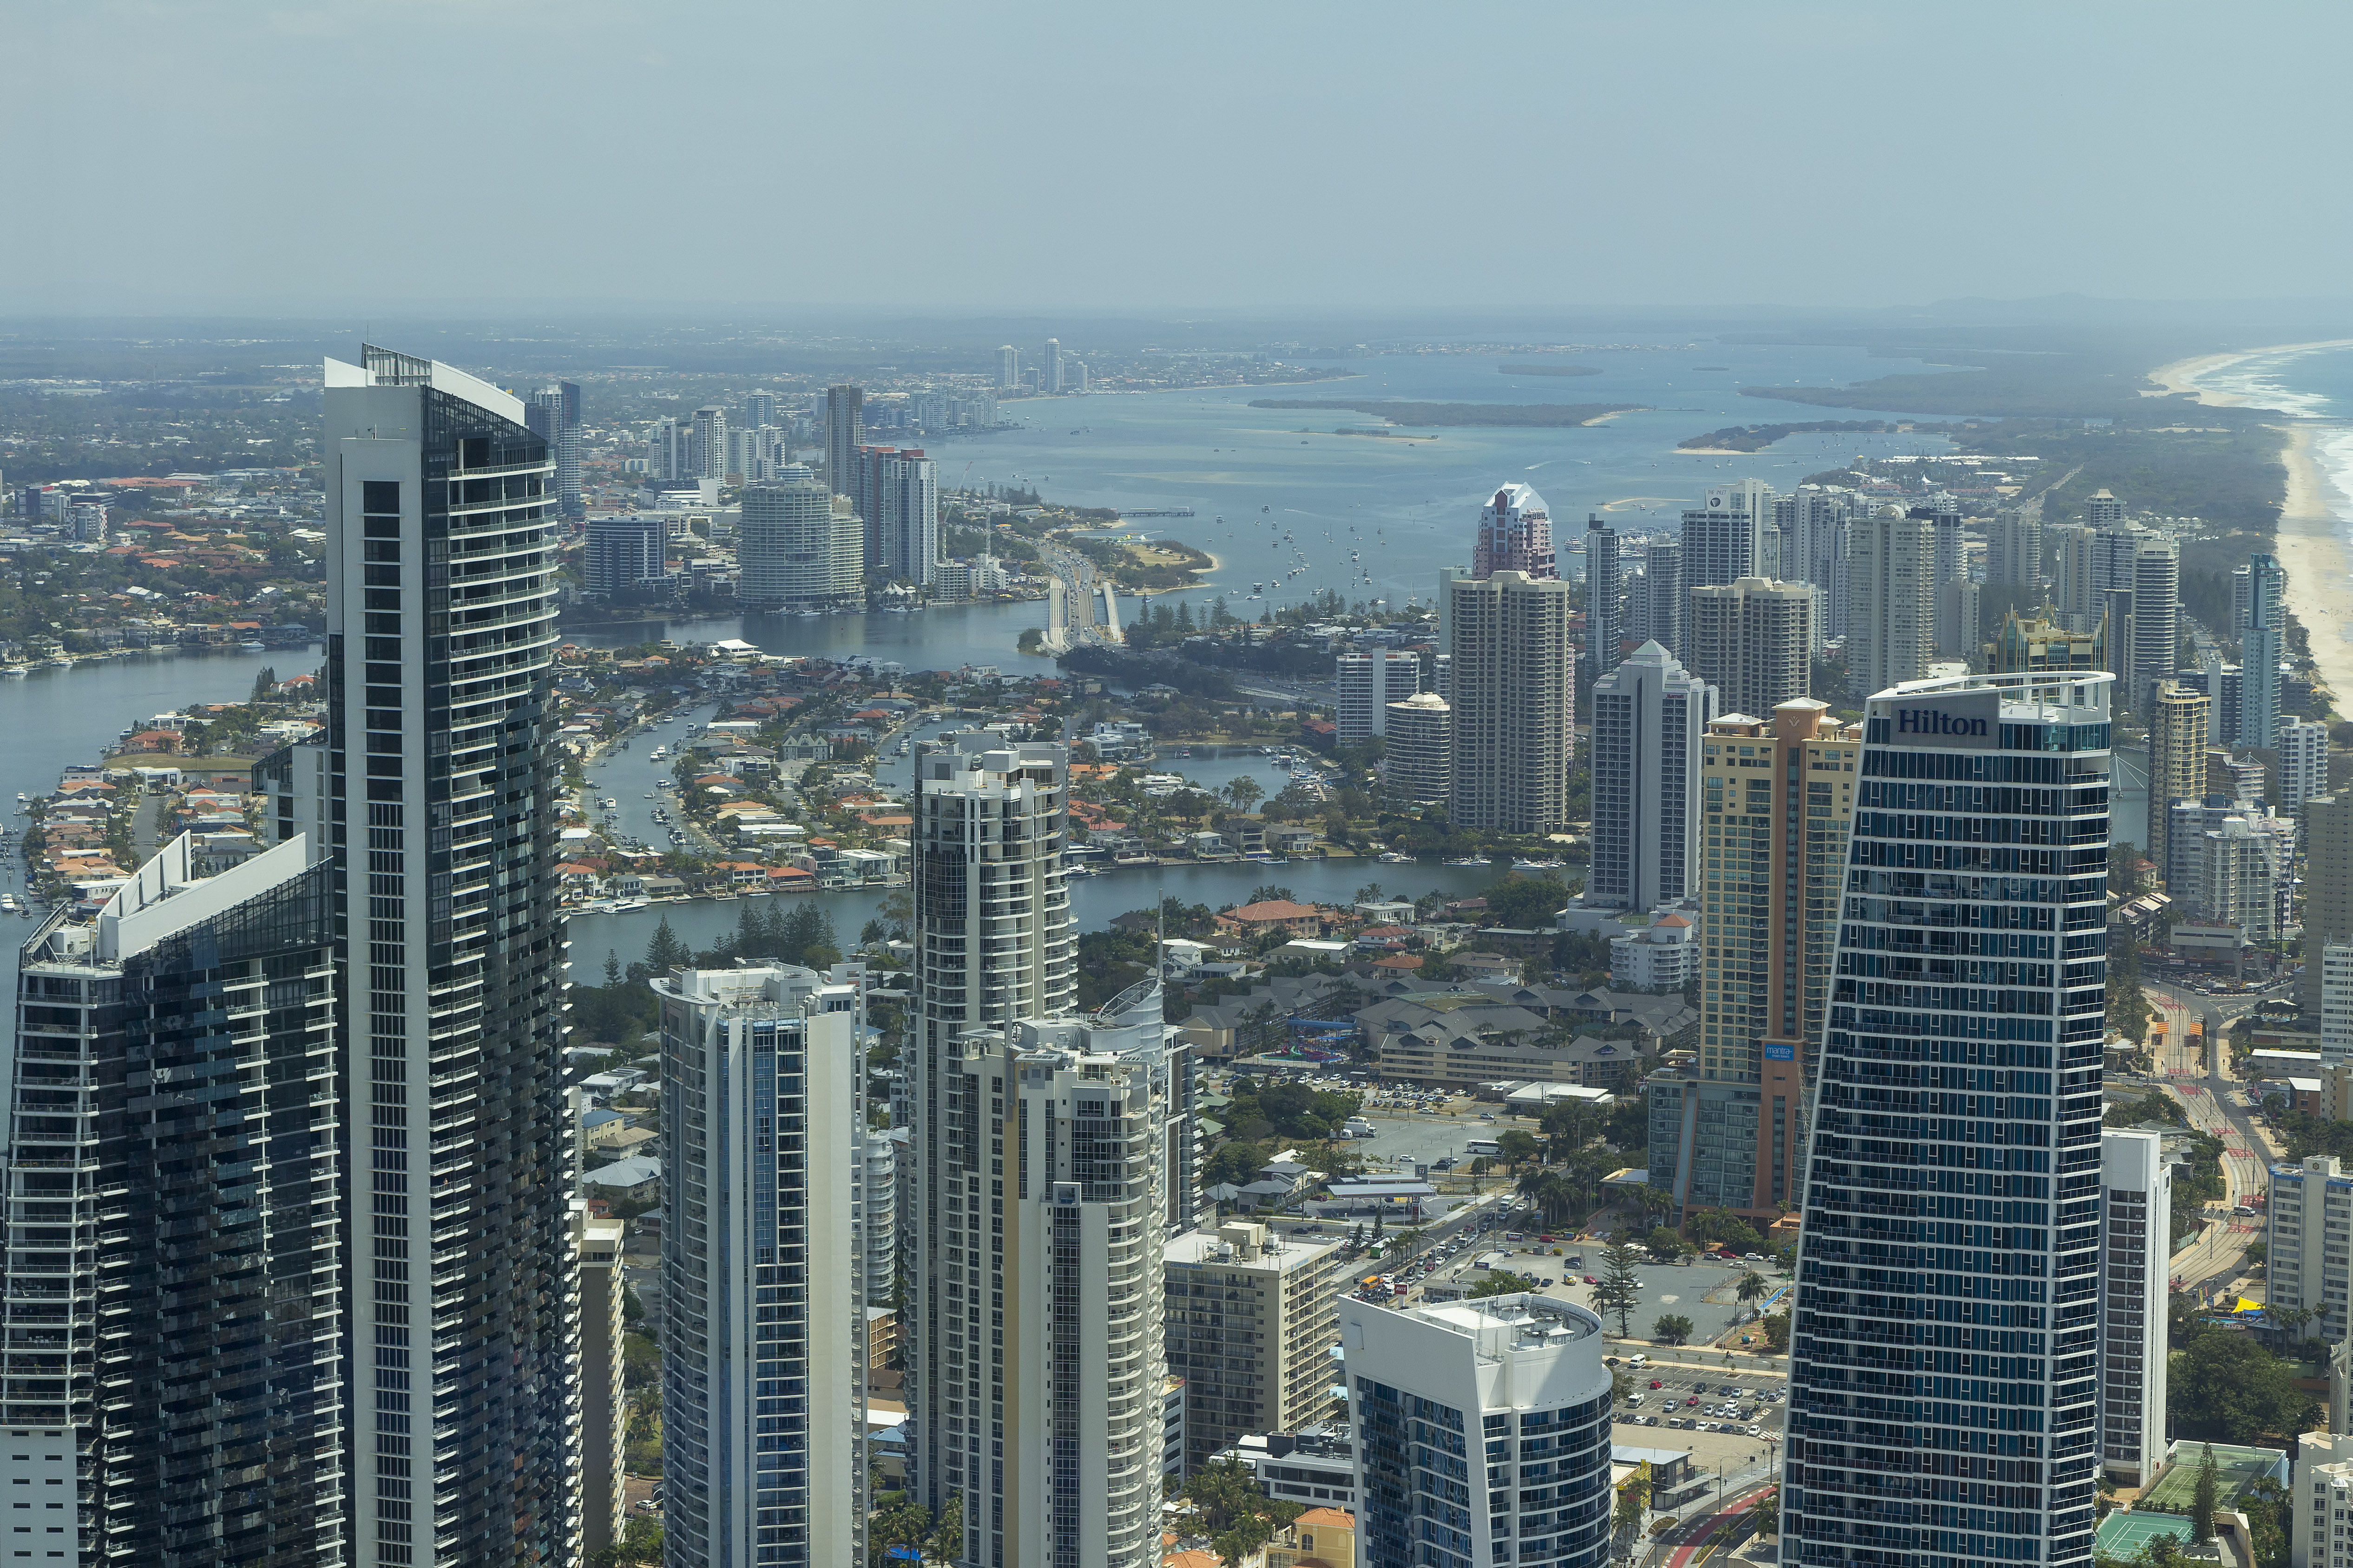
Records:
x=1423, y=1124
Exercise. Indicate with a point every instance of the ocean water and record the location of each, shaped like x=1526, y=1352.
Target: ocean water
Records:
x=1375, y=517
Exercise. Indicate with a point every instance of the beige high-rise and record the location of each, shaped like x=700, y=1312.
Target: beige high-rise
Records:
x=1771, y=898
x=1751, y=640
x=1891, y=614
x=1514, y=701
x=2177, y=759
x=1250, y=1328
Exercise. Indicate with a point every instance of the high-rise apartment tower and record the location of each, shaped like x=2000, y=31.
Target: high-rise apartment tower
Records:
x=2135, y=1280
x=797, y=545
x=2264, y=643
x=763, y=1364
x=1514, y=701
x=994, y=944
x=440, y=807
x=1417, y=761
x=1752, y=640
x=1649, y=715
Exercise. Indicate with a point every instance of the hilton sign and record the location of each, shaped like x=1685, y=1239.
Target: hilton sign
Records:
x=1963, y=719
x=1935, y=721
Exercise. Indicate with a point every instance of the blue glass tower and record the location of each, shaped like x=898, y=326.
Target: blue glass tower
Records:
x=1943, y=1347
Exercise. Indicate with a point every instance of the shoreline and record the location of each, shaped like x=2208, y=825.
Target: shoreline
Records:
x=2182, y=376
x=2313, y=557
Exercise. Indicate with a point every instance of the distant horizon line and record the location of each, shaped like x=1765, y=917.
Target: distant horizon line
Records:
x=1980, y=308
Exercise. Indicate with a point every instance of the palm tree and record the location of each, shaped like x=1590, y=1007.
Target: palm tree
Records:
x=1752, y=1286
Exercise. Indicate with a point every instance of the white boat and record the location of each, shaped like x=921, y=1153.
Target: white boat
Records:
x=1391, y=857
x=16, y=671
x=1468, y=860
x=612, y=805
x=1526, y=865
x=629, y=906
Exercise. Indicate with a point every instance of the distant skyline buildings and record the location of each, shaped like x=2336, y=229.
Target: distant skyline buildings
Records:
x=1723, y=536
x=1604, y=597
x=797, y=545
x=845, y=432
x=553, y=414
x=2264, y=640
x=1515, y=535
x=1891, y=602
x=1365, y=684
x=896, y=493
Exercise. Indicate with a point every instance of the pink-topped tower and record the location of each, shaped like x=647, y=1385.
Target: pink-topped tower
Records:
x=1515, y=535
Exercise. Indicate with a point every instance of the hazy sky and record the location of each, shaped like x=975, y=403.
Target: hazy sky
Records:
x=213, y=154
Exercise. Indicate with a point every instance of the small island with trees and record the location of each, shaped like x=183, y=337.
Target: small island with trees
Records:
x=1506, y=415
x=1744, y=439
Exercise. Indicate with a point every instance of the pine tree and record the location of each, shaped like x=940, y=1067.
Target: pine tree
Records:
x=2206, y=1499
x=1618, y=1291
x=666, y=952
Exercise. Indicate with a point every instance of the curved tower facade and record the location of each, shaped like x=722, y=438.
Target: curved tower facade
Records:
x=795, y=548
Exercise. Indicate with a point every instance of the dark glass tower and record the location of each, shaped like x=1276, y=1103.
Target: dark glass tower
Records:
x=175, y=1306
x=1944, y=1396
x=440, y=790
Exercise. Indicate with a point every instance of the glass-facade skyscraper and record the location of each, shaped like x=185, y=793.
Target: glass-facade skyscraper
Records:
x=1943, y=1401
x=438, y=804
x=175, y=1306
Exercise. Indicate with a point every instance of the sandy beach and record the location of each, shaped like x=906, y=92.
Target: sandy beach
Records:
x=2184, y=374
x=2313, y=555
x=2307, y=542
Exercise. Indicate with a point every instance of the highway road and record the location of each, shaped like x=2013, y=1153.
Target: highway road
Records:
x=2199, y=1079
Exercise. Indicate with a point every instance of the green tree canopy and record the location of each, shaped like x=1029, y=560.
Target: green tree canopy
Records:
x=2226, y=1387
